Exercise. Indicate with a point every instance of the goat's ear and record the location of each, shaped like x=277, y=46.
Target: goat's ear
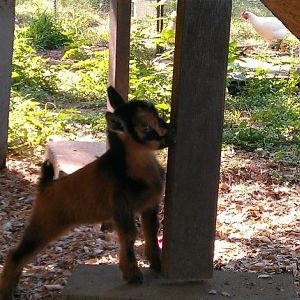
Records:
x=114, y=123
x=115, y=99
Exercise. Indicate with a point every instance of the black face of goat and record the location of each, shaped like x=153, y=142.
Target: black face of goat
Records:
x=138, y=120
x=126, y=180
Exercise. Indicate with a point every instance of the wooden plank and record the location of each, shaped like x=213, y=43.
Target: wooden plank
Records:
x=69, y=156
x=288, y=12
x=119, y=45
x=202, y=34
x=7, y=21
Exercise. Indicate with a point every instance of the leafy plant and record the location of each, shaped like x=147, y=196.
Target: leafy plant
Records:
x=265, y=115
x=30, y=124
x=150, y=74
x=78, y=53
x=233, y=52
x=46, y=32
x=87, y=78
x=142, y=44
x=85, y=27
x=30, y=70
x=152, y=83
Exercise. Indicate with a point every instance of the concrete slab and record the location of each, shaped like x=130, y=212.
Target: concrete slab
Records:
x=104, y=282
x=69, y=156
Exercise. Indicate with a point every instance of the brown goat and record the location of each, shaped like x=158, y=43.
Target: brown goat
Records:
x=126, y=180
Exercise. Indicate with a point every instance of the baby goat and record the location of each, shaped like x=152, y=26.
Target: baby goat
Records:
x=126, y=180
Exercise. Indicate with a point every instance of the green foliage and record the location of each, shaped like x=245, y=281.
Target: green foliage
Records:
x=30, y=124
x=151, y=75
x=142, y=45
x=86, y=26
x=30, y=70
x=27, y=9
x=87, y=78
x=46, y=32
x=265, y=115
x=95, y=123
x=79, y=53
x=233, y=52
x=152, y=83
x=166, y=38
x=274, y=126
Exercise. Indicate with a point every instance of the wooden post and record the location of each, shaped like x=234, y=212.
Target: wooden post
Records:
x=119, y=45
x=7, y=23
x=202, y=35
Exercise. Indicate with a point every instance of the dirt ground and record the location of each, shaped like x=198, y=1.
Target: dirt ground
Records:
x=258, y=225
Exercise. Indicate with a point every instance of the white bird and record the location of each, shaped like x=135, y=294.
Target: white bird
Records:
x=269, y=28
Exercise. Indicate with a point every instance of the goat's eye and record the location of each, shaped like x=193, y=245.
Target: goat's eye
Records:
x=147, y=128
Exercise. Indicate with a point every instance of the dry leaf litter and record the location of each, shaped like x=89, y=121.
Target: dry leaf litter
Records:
x=258, y=225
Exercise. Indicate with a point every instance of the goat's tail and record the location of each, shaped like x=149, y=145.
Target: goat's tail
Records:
x=47, y=175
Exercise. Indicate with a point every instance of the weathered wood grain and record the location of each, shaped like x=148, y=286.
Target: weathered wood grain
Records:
x=202, y=35
x=119, y=45
x=7, y=21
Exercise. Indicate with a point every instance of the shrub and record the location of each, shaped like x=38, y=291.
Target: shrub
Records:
x=87, y=78
x=30, y=70
x=46, y=32
x=30, y=124
x=265, y=115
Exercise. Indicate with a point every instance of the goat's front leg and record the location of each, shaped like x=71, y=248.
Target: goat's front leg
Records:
x=125, y=226
x=150, y=226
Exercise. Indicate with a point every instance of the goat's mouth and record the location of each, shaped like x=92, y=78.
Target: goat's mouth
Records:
x=168, y=139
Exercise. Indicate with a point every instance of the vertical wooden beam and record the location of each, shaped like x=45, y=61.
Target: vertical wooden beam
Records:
x=202, y=36
x=159, y=24
x=119, y=45
x=159, y=16
x=7, y=22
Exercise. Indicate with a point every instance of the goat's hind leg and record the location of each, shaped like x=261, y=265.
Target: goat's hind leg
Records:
x=36, y=236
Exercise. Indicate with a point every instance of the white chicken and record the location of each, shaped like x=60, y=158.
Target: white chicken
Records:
x=269, y=28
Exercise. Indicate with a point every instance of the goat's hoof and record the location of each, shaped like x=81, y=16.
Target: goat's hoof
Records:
x=135, y=278
x=155, y=264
